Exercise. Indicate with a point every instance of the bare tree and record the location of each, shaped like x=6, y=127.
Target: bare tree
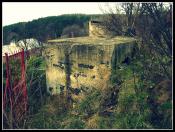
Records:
x=121, y=21
x=131, y=11
x=113, y=20
x=27, y=44
x=161, y=31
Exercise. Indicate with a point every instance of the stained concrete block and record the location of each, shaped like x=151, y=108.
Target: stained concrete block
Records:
x=90, y=60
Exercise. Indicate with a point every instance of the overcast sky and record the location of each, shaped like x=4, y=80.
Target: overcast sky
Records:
x=14, y=12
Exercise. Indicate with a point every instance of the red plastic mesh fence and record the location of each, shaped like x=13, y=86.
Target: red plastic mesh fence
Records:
x=15, y=92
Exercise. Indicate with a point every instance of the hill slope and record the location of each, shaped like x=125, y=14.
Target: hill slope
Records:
x=45, y=28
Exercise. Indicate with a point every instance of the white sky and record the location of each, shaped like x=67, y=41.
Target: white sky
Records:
x=14, y=12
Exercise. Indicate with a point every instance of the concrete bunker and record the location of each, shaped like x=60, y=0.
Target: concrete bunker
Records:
x=84, y=61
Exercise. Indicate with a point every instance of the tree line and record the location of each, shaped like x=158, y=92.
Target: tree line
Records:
x=46, y=28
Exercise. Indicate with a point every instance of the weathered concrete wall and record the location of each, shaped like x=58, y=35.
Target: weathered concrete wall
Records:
x=90, y=64
x=96, y=29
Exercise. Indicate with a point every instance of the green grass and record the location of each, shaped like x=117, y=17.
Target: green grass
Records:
x=131, y=112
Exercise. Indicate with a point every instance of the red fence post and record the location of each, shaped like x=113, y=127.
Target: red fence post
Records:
x=8, y=79
x=23, y=79
x=9, y=89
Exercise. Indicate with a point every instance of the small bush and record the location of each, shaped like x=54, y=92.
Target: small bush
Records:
x=90, y=104
x=74, y=123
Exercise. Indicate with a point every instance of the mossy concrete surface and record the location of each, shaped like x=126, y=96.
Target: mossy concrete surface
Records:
x=91, y=60
x=93, y=40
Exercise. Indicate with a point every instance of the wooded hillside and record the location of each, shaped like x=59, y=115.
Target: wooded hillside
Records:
x=45, y=28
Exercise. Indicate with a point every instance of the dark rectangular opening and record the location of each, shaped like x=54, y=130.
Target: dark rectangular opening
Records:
x=96, y=22
x=85, y=66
